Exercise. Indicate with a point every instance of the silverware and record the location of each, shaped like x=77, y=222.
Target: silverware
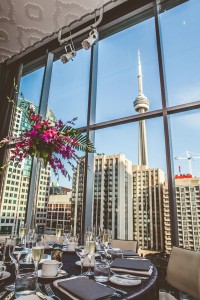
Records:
x=9, y=296
x=2, y=294
x=50, y=291
x=116, y=290
x=40, y=294
x=130, y=277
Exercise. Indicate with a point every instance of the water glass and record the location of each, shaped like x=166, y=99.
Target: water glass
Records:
x=25, y=282
x=116, y=254
x=101, y=271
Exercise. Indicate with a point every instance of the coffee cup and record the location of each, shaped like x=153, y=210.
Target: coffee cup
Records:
x=71, y=246
x=50, y=268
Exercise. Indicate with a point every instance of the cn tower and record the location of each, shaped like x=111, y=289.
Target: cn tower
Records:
x=141, y=105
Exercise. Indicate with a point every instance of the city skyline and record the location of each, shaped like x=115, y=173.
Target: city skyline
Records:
x=118, y=89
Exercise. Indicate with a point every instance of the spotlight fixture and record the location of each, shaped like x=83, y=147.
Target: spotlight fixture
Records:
x=93, y=36
x=69, y=55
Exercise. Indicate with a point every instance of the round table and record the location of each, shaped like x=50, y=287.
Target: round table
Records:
x=145, y=291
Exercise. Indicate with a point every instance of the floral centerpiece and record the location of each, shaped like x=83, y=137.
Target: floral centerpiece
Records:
x=48, y=141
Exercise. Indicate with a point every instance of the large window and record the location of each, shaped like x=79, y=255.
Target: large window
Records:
x=17, y=179
x=139, y=85
x=186, y=155
x=181, y=44
x=69, y=89
x=117, y=84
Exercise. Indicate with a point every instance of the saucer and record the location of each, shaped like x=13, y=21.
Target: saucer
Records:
x=124, y=281
x=4, y=276
x=61, y=273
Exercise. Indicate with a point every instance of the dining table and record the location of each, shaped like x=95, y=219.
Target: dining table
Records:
x=146, y=290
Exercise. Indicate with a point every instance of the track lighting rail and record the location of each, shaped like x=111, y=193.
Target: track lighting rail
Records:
x=67, y=39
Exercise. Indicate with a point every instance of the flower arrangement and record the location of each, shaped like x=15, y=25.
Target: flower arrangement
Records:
x=49, y=141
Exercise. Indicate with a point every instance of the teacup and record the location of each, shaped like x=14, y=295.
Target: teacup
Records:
x=71, y=246
x=50, y=268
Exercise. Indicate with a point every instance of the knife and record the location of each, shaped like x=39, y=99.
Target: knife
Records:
x=9, y=296
x=43, y=296
x=2, y=294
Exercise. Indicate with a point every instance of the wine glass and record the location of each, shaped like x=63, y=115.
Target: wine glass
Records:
x=37, y=254
x=82, y=252
x=105, y=238
x=59, y=231
x=16, y=256
x=22, y=233
x=90, y=247
x=67, y=232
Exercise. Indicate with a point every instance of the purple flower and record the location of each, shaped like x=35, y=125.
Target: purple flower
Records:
x=33, y=133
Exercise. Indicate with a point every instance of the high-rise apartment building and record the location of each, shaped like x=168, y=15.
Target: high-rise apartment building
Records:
x=147, y=185
x=148, y=207
x=112, y=200
x=15, y=190
x=59, y=208
x=188, y=213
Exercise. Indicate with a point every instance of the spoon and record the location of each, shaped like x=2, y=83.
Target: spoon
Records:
x=128, y=276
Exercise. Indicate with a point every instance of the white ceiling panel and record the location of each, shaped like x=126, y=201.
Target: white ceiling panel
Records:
x=24, y=23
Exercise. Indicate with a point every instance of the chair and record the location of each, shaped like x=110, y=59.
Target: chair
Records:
x=183, y=273
x=125, y=245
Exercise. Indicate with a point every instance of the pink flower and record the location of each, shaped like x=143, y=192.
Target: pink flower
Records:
x=46, y=123
x=33, y=133
x=49, y=135
x=59, y=124
x=37, y=126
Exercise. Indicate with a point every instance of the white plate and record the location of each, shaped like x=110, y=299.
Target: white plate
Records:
x=29, y=297
x=61, y=274
x=5, y=275
x=124, y=281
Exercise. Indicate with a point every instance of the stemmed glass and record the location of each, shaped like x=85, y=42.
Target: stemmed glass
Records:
x=90, y=246
x=106, y=237
x=82, y=252
x=59, y=231
x=22, y=233
x=37, y=254
x=16, y=257
x=67, y=232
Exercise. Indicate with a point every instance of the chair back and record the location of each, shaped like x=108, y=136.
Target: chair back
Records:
x=183, y=271
x=125, y=245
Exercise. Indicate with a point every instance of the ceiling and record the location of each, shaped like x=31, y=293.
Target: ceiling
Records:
x=25, y=23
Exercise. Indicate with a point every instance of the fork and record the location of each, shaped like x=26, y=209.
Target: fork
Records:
x=40, y=294
x=50, y=292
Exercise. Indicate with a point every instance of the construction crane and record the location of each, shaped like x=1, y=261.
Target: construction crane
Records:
x=187, y=155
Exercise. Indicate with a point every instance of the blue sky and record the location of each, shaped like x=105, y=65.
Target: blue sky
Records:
x=117, y=86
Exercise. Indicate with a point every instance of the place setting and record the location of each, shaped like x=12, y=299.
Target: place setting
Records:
x=109, y=273
x=51, y=270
